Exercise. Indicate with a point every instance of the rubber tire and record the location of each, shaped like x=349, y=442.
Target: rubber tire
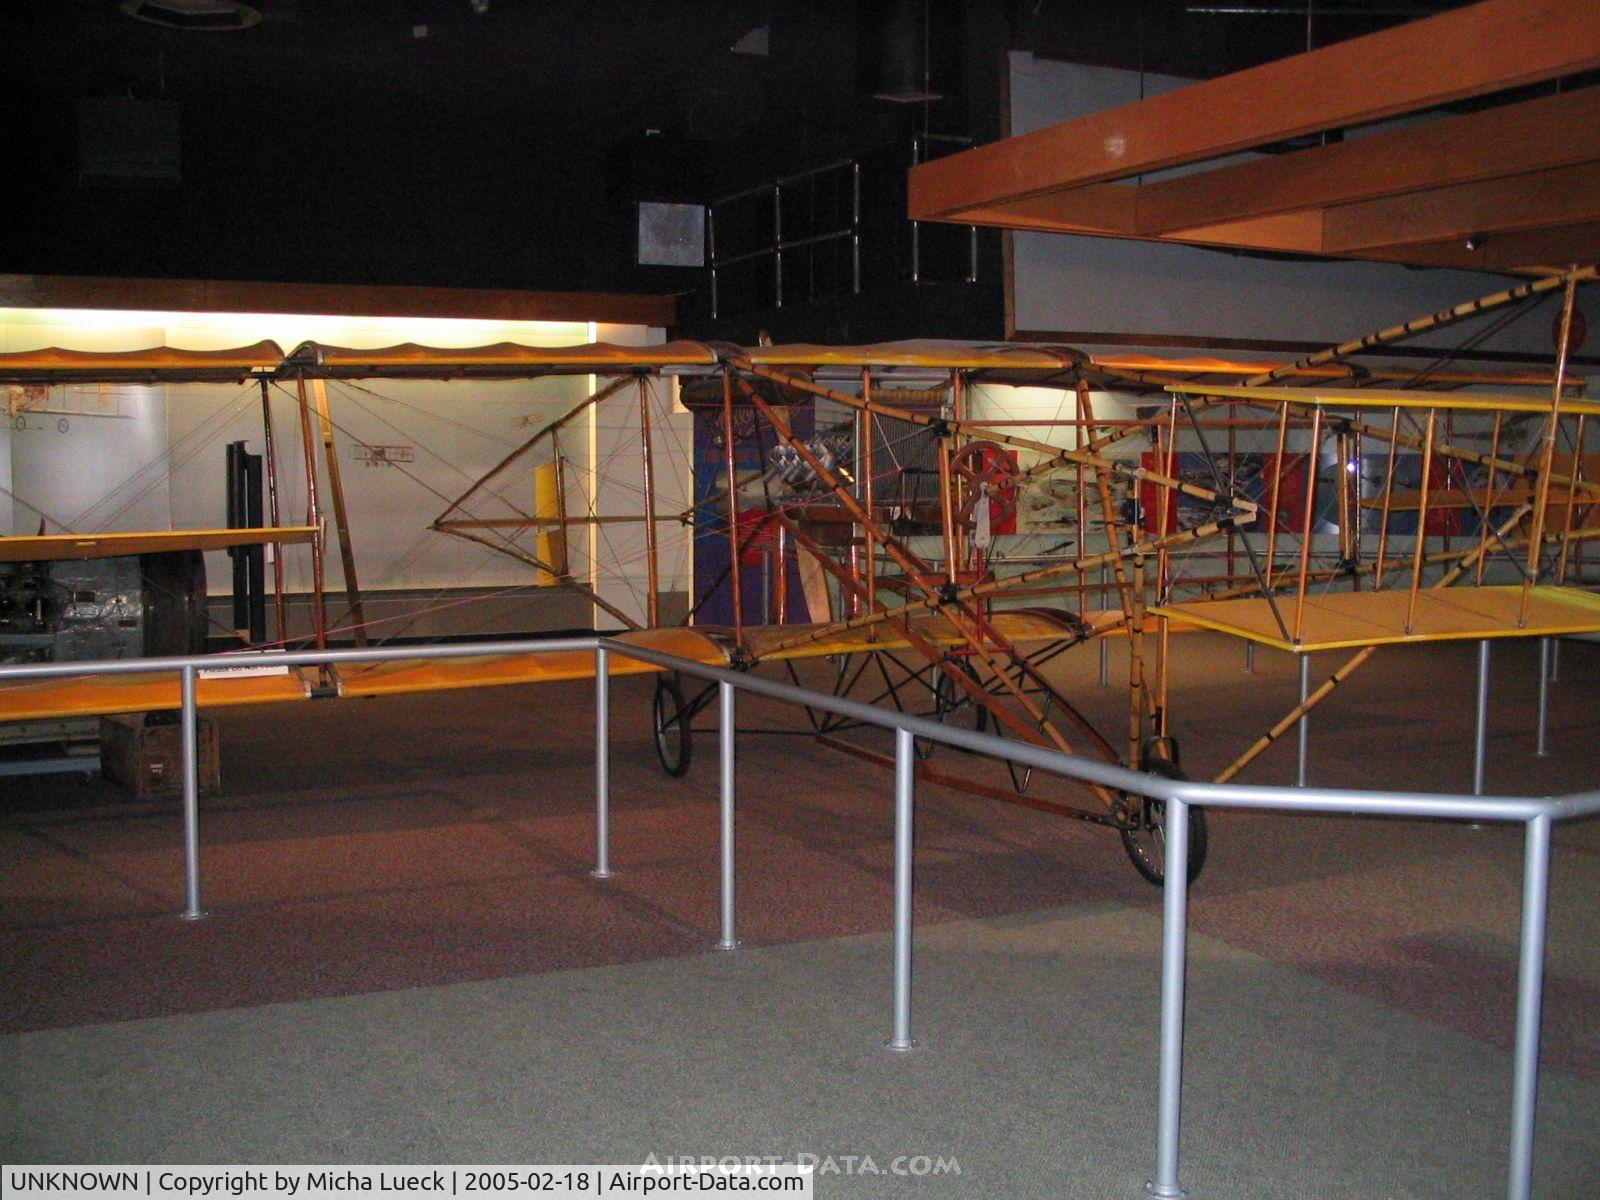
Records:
x=667, y=709
x=1199, y=837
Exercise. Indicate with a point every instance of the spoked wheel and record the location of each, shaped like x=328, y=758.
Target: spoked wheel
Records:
x=670, y=718
x=1146, y=842
x=952, y=704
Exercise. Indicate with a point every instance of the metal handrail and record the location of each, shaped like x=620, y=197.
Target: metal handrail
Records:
x=1537, y=814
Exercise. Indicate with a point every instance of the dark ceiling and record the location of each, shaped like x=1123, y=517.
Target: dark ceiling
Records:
x=427, y=142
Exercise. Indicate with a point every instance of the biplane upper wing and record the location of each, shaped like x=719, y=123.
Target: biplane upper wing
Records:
x=509, y=358
x=1390, y=398
x=43, y=367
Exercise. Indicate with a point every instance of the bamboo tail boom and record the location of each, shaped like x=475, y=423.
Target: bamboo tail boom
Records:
x=1438, y=320
x=1288, y=722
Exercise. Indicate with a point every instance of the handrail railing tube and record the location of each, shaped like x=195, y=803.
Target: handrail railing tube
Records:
x=295, y=658
x=1538, y=813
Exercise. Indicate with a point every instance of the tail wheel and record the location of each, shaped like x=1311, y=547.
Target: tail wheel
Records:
x=1146, y=841
x=670, y=719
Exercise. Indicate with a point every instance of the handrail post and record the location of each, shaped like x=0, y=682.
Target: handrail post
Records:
x=191, y=796
x=1530, y=987
x=725, y=697
x=904, y=795
x=1174, y=951
x=1305, y=719
x=1480, y=733
x=602, y=764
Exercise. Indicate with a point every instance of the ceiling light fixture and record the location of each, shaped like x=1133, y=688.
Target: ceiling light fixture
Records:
x=205, y=16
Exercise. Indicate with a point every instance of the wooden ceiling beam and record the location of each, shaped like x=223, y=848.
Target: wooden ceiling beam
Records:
x=331, y=299
x=1102, y=209
x=1532, y=251
x=1537, y=200
x=1486, y=47
x=1551, y=131
x=1291, y=232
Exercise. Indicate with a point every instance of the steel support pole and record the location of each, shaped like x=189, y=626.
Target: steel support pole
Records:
x=191, y=798
x=1530, y=989
x=1480, y=735
x=1542, y=749
x=1555, y=660
x=1249, y=658
x=1305, y=720
x=602, y=764
x=1174, y=952
x=725, y=697
x=904, y=793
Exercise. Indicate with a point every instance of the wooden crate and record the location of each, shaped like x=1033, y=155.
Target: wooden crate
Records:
x=146, y=756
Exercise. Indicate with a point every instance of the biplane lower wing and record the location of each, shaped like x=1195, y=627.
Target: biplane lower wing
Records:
x=1019, y=627
x=499, y=670
x=1345, y=620
x=88, y=696
x=56, y=547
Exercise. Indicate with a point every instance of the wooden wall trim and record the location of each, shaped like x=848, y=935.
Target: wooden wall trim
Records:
x=201, y=295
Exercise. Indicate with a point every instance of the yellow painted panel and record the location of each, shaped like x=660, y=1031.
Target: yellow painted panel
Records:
x=1020, y=627
x=411, y=357
x=40, y=699
x=1379, y=398
x=35, y=365
x=432, y=675
x=112, y=545
x=931, y=354
x=1346, y=620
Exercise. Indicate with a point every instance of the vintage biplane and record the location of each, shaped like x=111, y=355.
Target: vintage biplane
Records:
x=878, y=514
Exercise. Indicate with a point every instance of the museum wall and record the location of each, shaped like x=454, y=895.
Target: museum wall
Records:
x=122, y=457
x=1082, y=284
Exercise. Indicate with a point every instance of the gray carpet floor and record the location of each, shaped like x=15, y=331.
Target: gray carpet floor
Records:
x=1035, y=1074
